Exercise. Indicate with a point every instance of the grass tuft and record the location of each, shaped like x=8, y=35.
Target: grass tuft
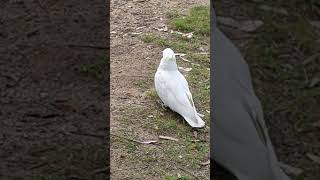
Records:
x=198, y=21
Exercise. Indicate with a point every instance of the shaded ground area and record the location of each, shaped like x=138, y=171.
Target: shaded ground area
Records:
x=282, y=50
x=137, y=42
x=53, y=90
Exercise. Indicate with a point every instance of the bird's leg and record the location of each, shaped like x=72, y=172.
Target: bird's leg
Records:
x=162, y=104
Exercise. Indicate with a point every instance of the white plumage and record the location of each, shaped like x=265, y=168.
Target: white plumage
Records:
x=173, y=90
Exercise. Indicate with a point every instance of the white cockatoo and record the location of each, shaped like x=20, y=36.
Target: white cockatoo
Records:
x=173, y=90
x=241, y=142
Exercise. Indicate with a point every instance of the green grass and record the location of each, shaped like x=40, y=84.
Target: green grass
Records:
x=197, y=20
x=152, y=94
x=132, y=147
x=158, y=121
x=177, y=43
x=142, y=83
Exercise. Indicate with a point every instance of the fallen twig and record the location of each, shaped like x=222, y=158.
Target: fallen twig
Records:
x=179, y=54
x=168, y=138
x=136, y=141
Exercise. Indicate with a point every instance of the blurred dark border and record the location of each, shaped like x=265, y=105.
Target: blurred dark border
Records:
x=54, y=84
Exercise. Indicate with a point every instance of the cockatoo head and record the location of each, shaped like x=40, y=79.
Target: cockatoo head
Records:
x=168, y=55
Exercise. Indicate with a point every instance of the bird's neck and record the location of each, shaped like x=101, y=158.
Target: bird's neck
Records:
x=170, y=65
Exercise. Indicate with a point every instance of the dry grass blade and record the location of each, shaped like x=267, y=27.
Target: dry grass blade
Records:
x=180, y=54
x=184, y=59
x=149, y=142
x=168, y=138
x=185, y=69
x=314, y=158
x=311, y=59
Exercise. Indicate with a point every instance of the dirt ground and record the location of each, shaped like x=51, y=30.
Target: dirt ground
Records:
x=134, y=61
x=53, y=111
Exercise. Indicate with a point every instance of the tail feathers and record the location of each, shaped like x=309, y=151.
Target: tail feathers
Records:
x=195, y=121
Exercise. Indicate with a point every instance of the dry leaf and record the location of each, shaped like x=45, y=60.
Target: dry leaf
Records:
x=168, y=138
